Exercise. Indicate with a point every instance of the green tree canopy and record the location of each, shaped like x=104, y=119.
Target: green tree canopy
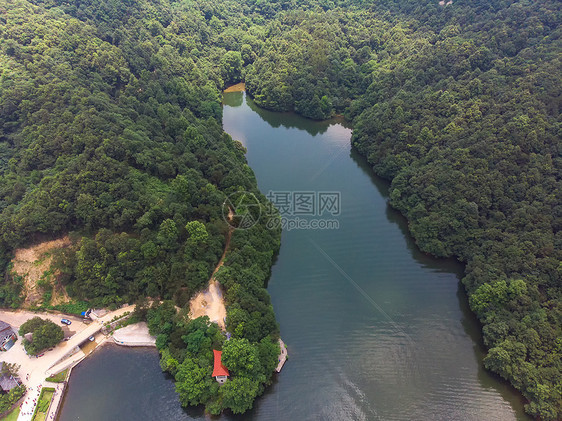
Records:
x=46, y=334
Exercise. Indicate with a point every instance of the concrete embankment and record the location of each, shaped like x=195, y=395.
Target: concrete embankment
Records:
x=54, y=406
x=134, y=335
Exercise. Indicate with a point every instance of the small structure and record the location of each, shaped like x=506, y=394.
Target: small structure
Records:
x=97, y=313
x=7, y=336
x=220, y=373
x=282, y=356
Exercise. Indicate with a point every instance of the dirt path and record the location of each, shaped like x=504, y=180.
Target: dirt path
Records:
x=31, y=263
x=210, y=302
x=226, y=247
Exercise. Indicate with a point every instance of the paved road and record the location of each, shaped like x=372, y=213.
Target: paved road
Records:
x=18, y=317
x=28, y=406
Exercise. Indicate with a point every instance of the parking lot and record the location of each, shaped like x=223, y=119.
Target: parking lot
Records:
x=32, y=368
x=19, y=317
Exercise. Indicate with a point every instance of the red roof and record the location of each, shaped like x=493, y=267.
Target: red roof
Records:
x=219, y=369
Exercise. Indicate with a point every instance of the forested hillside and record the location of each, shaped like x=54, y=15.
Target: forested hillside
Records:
x=110, y=128
x=121, y=144
x=458, y=106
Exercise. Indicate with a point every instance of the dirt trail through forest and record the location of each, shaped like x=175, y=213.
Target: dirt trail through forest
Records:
x=210, y=302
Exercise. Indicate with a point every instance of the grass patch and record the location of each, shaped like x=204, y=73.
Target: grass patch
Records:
x=71, y=308
x=12, y=416
x=58, y=378
x=43, y=404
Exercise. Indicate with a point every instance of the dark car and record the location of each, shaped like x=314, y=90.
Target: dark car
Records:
x=66, y=321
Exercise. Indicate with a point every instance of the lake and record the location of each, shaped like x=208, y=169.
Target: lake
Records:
x=376, y=330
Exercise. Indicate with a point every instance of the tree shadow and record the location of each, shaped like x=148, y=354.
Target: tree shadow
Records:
x=438, y=264
x=233, y=99
x=278, y=119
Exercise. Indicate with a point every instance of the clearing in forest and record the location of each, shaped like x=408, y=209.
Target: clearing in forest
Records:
x=209, y=302
x=31, y=263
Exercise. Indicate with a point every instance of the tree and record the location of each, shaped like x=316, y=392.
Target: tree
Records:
x=488, y=297
x=168, y=234
x=231, y=66
x=238, y=394
x=193, y=382
x=197, y=232
x=242, y=358
x=10, y=369
x=247, y=54
x=269, y=354
x=160, y=317
x=46, y=334
x=10, y=398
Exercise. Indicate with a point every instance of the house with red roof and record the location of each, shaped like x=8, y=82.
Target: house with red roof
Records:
x=220, y=372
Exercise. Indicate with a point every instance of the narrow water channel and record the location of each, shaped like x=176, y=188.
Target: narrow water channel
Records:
x=376, y=330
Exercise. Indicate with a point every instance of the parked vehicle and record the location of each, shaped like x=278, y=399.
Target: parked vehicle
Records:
x=66, y=321
x=91, y=339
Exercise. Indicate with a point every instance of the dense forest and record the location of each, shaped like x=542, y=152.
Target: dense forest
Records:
x=110, y=128
x=122, y=146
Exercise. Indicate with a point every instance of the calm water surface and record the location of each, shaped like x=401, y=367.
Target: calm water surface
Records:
x=376, y=330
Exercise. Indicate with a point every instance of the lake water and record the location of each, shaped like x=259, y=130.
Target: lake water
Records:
x=376, y=330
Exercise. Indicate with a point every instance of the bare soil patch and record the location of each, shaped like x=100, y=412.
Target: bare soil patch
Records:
x=239, y=87
x=209, y=302
x=31, y=263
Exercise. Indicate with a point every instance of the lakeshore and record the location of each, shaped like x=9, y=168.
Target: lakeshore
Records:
x=108, y=327
x=401, y=358
x=48, y=379
x=239, y=87
x=85, y=339
x=366, y=313
x=368, y=366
